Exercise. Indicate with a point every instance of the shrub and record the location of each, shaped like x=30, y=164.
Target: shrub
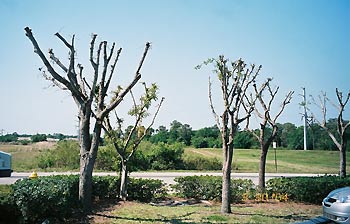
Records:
x=209, y=187
x=8, y=206
x=64, y=155
x=145, y=190
x=107, y=159
x=105, y=186
x=306, y=189
x=164, y=156
x=56, y=197
x=192, y=162
x=38, y=138
x=46, y=197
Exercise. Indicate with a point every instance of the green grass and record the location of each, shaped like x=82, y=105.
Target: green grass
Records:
x=245, y=160
x=242, y=213
x=288, y=161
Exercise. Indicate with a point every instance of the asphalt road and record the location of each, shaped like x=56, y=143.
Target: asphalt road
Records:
x=167, y=177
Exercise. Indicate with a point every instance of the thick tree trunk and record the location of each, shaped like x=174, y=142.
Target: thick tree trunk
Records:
x=85, y=183
x=124, y=181
x=342, y=161
x=262, y=167
x=88, y=153
x=226, y=179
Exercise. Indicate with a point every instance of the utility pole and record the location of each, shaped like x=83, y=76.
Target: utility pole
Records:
x=305, y=118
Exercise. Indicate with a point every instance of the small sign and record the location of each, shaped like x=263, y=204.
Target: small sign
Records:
x=274, y=145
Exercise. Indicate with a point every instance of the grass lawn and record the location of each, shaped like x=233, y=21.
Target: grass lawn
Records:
x=288, y=161
x=250, y=212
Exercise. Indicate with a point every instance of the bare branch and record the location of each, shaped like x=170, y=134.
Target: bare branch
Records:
x=92, y=46
x=286, y=101
x=69, y=85
x=81, y=80
x=216, y=116
x=120, y=97
x=64, y=40
x=37, y=50
x=57, y=61
x=112, y=69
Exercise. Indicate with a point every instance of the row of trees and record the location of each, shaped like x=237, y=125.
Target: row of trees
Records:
x=14, y=137
x=288, y=136
x=241, y=97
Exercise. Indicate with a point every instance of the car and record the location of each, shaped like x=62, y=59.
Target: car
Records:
x=336, y=206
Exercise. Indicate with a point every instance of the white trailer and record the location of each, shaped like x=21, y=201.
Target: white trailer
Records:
x=5, y=164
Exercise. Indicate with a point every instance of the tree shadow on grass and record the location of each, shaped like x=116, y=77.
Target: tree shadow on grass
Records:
x=285, y=217
x=179, y=220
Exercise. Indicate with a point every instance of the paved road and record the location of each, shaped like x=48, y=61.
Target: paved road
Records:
x=167, y=177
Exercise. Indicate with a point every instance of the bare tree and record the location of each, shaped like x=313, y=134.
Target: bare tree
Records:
x=90, y=98
x=235, y=79
x=124, y=142
x=342, y=125
x=267, y=120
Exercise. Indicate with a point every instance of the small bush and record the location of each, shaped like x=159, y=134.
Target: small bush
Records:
x=210, y=187
x=145, y=190
x=306, y=189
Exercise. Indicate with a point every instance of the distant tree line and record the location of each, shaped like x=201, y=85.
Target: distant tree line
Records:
x=289, y=136
x=15, y=137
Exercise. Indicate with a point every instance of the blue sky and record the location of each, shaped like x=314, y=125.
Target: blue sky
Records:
x=300, y=43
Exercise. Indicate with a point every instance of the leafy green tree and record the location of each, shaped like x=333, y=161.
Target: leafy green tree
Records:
x=180, y=133
x=245, y=140
x=9, y=137
x=161, y=135
x=38, y=138
x=208, y=137
x=285, y=136
x=164, y=156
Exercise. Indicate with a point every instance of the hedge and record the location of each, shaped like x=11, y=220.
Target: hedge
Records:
x=56, y=197
x=210, y=187
x=306, y=189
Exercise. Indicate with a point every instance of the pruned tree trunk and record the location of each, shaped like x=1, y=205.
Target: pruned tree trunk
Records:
x=264, y=139
x=124, y=180
x=226, y=188
x=235, y=78
x=342, y=126
x=262, y=167
x=86, y=96
x=342, y=160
